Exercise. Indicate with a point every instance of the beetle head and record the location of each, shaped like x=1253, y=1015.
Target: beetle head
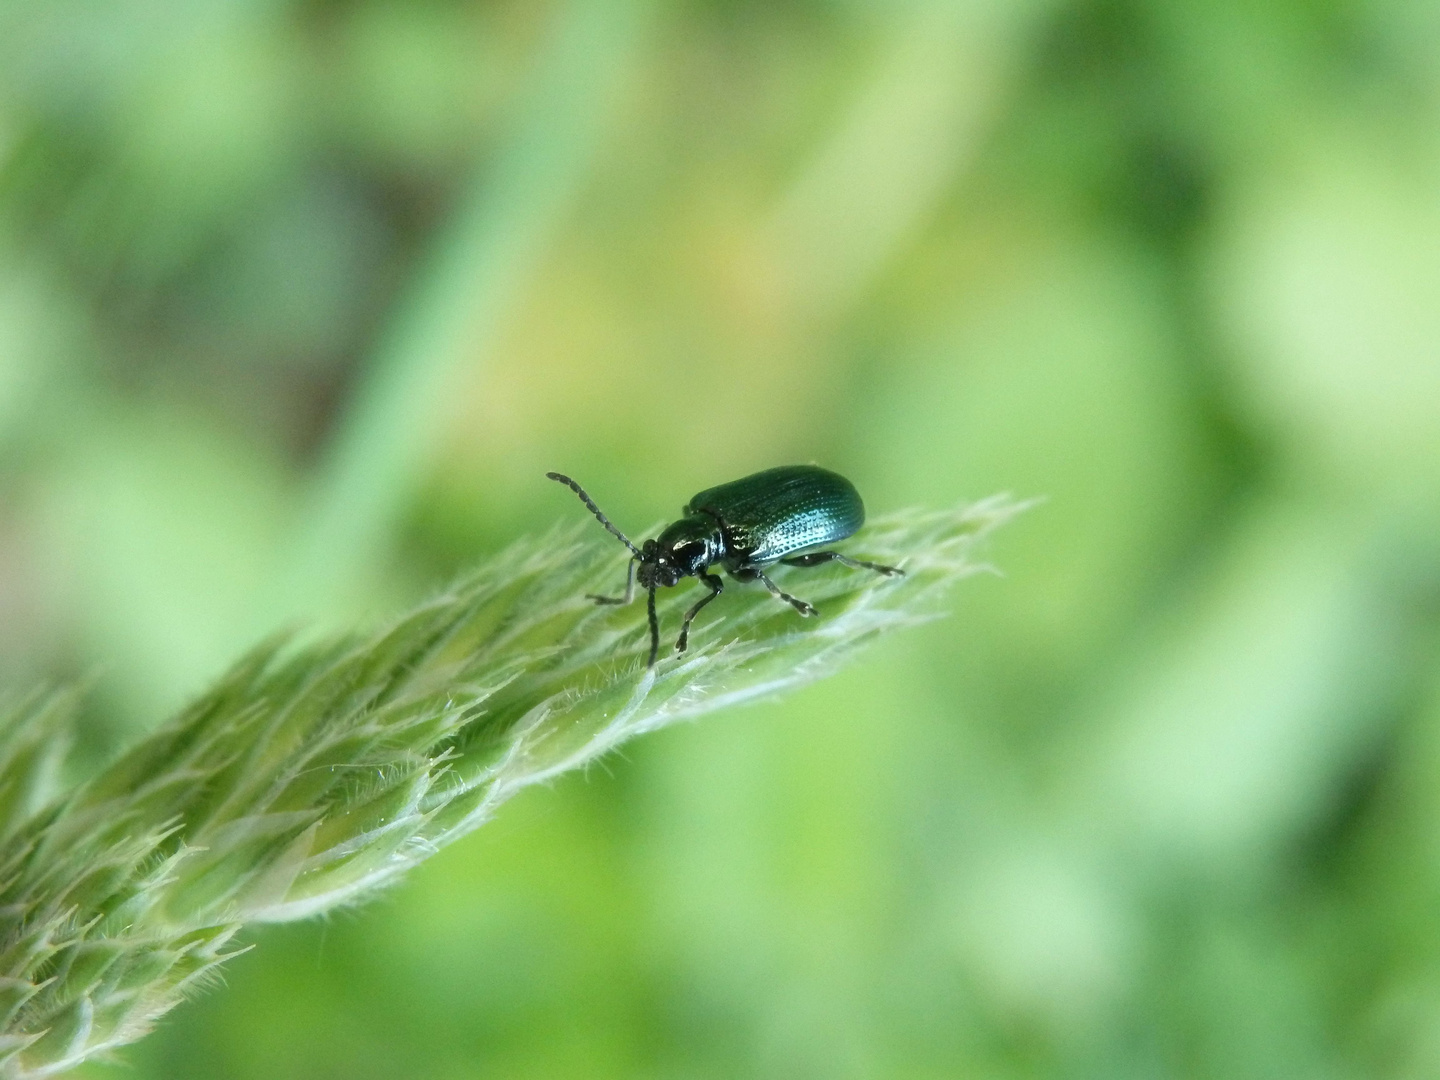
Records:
x=687, y=547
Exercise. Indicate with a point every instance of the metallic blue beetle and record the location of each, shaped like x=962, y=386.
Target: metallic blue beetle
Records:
x=743, y=526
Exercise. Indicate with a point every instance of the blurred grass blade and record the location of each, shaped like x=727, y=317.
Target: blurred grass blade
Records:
x=455, y=310
x=35, y=736
x=313, y=773
x=916, y=125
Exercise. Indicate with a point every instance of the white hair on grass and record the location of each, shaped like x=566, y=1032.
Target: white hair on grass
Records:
x=313, y=774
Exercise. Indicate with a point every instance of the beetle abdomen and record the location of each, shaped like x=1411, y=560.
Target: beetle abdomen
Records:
x=779, y=512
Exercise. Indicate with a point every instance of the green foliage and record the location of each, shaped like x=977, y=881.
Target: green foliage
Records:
x=299, y=300
x=312, y=774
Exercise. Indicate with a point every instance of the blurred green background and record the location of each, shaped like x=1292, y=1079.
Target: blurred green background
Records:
x=300, y=298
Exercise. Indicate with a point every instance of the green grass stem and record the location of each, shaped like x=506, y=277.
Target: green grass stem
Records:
x=315, y=772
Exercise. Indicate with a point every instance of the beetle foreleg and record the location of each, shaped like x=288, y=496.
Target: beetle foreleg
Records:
x=799, y=605
x=815, y=558
x=716, y=586
x=629, y=590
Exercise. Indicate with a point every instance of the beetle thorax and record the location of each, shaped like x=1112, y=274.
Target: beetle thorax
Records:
x=684, y=548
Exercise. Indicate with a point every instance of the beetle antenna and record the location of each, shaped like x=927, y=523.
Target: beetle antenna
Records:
x=573, y=486
x=654, y=628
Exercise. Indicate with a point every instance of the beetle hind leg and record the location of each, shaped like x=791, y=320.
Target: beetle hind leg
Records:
x=816, y=558
x=780, y=594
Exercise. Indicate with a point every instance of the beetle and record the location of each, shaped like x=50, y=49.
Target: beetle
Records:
x=744, y=526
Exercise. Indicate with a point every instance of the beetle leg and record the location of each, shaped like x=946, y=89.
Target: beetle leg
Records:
x=629, y=590
x=715, y=585
x=799, y=605
x=815, y=558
